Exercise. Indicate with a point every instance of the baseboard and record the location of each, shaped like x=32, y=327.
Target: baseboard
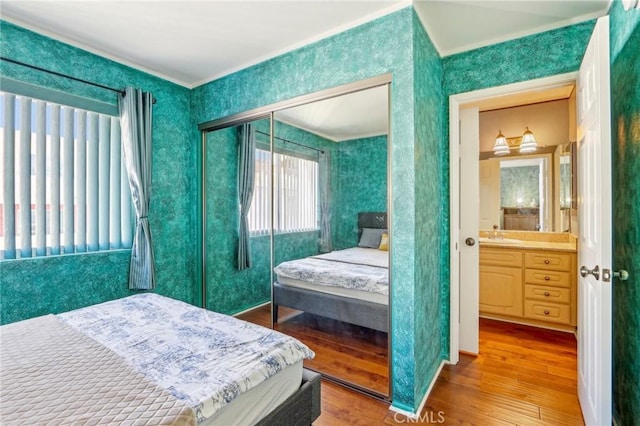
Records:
x=251, y=309
x=416, y=414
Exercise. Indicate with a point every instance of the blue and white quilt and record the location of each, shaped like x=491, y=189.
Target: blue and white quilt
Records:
x=348, y=268
x=201, y=357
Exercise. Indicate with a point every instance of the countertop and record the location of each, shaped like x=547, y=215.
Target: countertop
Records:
x=531, y=245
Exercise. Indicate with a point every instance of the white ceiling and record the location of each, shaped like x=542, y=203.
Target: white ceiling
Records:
x=196, y=41
x=353, y=116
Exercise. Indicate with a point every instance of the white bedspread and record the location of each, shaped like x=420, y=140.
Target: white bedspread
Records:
x=201, y=357
x=359, y=256
x=344, y=268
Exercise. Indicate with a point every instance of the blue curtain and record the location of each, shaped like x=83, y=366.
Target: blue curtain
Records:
x=324, y=177
x=246, y=177
x=135, y=107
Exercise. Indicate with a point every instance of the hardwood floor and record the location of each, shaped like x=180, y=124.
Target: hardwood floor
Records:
x=356, y=354
x=523, y=376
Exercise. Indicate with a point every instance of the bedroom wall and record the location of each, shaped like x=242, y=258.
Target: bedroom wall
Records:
x=431, y=212
x=625, y=125
x=382, y=46
x=32, y=287
x=359, y=185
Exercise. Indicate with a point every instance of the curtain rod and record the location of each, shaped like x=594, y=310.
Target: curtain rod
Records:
x=13, y=61
x=292, y=142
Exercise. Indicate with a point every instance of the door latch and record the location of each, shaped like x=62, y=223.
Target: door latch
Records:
x=622, y=275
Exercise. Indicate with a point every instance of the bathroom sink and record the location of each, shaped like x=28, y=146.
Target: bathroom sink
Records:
x=502, y=241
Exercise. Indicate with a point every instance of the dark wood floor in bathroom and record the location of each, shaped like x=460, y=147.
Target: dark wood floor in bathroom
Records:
x=523, y=376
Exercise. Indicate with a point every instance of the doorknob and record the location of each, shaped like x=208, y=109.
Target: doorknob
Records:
x=622, y=275
x=584, y=271
x=470, y=242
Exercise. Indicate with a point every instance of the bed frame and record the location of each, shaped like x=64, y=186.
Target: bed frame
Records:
x=301, y=408
x=346, y=309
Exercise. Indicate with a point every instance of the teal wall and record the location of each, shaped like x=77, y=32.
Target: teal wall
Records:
x=32, y=287
x=431, y=244
x=379, y=47
x=519, y=183
x=625, y=125
x=359, y=184
x=540, y=55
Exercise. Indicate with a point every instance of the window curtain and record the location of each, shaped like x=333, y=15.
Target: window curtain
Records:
x=324, y=176
x=246, y=178
x=135, y=107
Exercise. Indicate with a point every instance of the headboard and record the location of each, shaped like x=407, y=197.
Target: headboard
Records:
x=376, y=220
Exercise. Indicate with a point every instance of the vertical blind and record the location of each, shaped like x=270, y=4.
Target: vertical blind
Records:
x=295, y=194
x=64, y=187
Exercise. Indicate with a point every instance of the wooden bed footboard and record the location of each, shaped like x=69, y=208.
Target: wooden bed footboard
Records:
x=301, y=408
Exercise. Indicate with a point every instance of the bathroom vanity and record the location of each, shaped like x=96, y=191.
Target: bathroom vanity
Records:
x=529, y=278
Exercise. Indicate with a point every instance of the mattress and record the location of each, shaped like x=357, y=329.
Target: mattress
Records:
x=200, y=357
x=379, y=298
x=351, y=269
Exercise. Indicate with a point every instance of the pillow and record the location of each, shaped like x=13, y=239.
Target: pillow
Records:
x=384, y=242
x=371, y=237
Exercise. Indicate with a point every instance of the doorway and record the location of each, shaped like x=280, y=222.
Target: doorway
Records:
x=463, y=322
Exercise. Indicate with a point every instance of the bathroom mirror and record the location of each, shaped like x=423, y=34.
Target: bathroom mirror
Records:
x=528, y=192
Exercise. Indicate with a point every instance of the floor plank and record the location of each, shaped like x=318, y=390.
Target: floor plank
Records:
x=522, y=376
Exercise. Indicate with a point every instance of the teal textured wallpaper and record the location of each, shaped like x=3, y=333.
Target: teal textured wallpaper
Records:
x=359, y=185
x=382, y=46
x=520, y=186
x=35, y=287
x=540, y=55
x=625, y=124
x=431, y=220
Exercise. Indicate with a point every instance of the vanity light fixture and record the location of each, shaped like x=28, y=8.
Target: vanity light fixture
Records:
x=501, y=147
x=528, y=143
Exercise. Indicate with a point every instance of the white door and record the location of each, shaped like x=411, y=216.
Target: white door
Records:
x=594, y=249
x=489, y=193
x=469, y=231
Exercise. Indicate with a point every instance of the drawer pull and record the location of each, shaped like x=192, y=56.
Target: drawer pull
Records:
x=546, y=261
x=546, y=278
x=546, y=293
x=546, y=312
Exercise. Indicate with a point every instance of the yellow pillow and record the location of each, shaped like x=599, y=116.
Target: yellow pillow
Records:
x=384, y=242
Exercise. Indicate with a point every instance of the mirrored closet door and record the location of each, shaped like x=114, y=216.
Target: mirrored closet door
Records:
x=331, y=281
x=316, y=246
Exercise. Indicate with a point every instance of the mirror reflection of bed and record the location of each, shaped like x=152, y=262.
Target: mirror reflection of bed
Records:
x=334, y=297
x=338, y=303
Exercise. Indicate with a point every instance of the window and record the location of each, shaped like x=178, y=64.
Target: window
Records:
x=64, y=186
x=295, y=194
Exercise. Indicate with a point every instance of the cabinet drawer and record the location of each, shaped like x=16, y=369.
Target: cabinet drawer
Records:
x=500, y=257
x=547, y=311
x=552, y=278
x=544, y=260
x=547, y=294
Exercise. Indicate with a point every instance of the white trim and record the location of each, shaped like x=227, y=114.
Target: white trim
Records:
x=251, y=309
x=334, y=31
x=416, y=415
x=455, y=102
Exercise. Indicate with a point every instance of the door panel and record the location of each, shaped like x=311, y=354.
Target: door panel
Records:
x=594, y=197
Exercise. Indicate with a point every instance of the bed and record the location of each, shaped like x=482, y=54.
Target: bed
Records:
x=349, y=285
x=147, y=359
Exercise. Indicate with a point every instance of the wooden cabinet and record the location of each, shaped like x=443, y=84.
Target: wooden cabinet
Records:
x=529, y=286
